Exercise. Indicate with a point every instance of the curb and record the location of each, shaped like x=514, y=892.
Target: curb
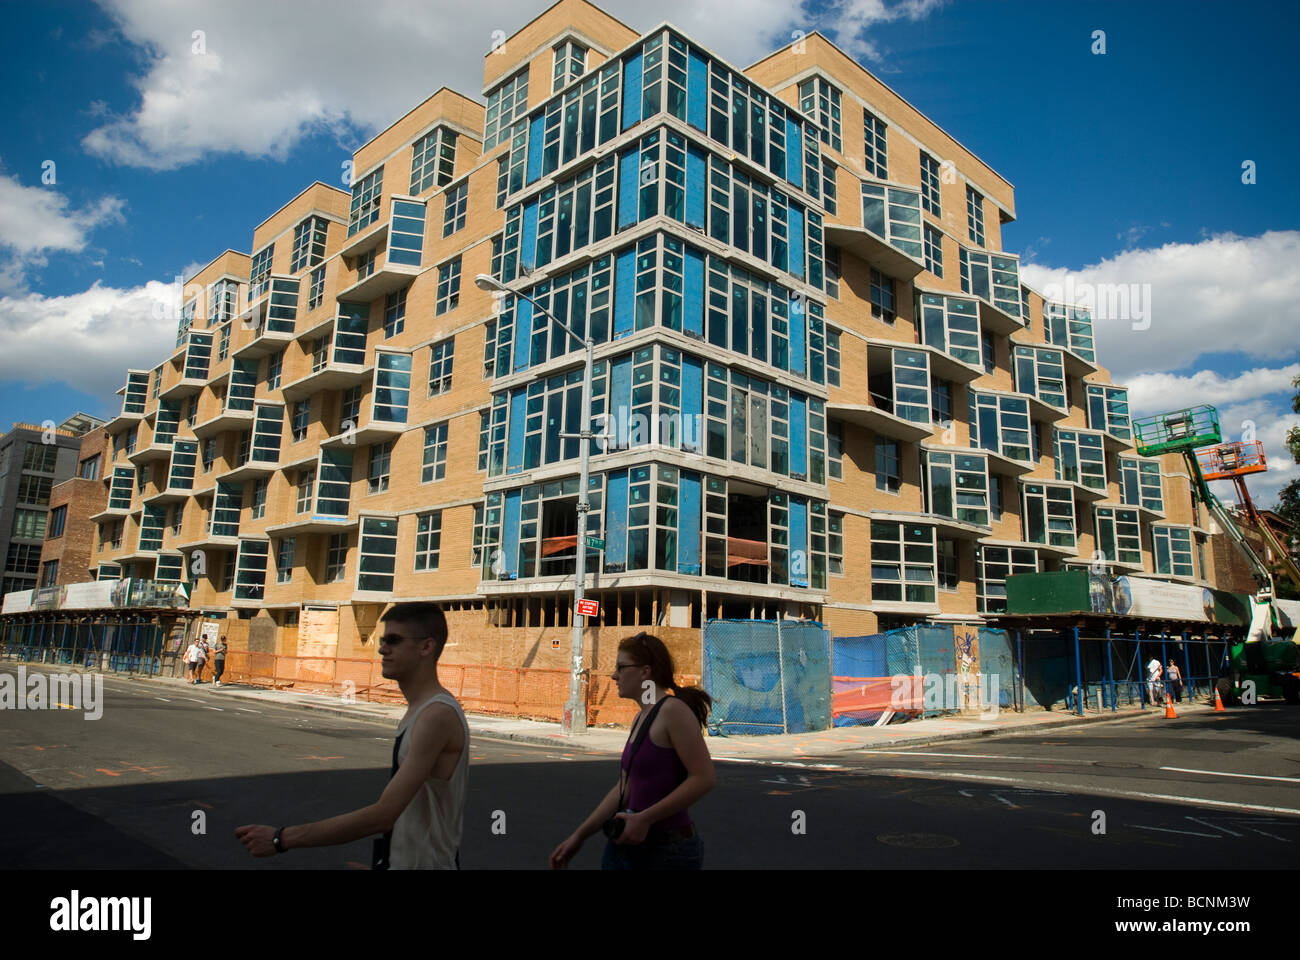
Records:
x=369, y=711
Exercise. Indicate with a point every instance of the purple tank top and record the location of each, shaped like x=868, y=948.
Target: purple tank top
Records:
x=656, y=772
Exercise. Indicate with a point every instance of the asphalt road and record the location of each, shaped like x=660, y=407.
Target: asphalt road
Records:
x=164, y=777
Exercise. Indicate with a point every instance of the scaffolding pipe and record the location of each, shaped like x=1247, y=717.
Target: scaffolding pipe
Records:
x=1020, y=668
x=1164, y=661
x=1110, y=672
x=1078, y=673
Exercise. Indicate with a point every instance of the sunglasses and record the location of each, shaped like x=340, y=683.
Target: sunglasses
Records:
x=618, y=667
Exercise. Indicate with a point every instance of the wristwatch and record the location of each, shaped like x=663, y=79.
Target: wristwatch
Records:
x=279, y=846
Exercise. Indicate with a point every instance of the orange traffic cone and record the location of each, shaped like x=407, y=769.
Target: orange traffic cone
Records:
x=1169, y=708
x=1218, y=702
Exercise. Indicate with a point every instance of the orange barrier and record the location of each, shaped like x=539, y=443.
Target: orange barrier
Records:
x=481, y=688
x=858, y=695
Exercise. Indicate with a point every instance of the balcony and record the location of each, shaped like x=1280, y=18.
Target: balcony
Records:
x=996, y=320
x=387, y=278
x=170, y=495
x=1075, y=365
x=227, y=420
x=111, y=513
x=944, y=525
x=1040, y=410
x=312, y=523
x=153, y=452
x=265, y=341
x=122, y=422
x=1145, y=514
x=889, y=237
x=994, y=278
x=208, y=541
x=367, y=239
x=878, y=420
x=183, y=388
x=249, y=470
x=332, y=376
x=272, y=317
x=1083, y=491
x=950, y=325
x=137, y=557
x=999, y=465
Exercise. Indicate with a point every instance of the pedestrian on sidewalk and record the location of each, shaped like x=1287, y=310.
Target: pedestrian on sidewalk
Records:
x=1175, y=681
x=218, y=661
x=193, y=653
x=422, y=809
x=665, y=768
x=1154, y=673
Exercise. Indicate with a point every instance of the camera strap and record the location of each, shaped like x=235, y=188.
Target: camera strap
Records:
x=643, y=732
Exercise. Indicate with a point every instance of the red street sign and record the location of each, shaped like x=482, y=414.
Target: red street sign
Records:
x=588, y=608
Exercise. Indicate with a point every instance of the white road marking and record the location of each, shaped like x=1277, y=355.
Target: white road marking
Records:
x=973, y=756
x=242, y=710
x=1133, y=794
x=163, y=699
x=1267, y=834
x=1215, y=826
x=218, y=709
x=1222, y=773
x=1186, y=833
x=784, y=763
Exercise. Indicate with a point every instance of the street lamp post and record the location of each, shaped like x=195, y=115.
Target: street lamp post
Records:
x=575, y=710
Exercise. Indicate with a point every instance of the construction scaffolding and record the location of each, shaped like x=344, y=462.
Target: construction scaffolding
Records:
x=1100, y=664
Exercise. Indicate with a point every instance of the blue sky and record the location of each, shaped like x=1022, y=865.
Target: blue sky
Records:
x=1127, y=166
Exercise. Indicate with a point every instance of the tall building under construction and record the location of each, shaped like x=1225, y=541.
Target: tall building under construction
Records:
x=824, y=390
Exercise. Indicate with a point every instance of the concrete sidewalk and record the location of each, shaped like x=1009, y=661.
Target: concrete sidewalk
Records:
x=793, y=748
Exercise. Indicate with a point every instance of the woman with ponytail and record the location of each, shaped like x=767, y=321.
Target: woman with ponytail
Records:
x=665, y=769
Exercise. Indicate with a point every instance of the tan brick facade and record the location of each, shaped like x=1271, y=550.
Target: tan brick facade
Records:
x=408, y=316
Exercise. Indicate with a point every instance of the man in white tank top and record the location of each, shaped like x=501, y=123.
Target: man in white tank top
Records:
x=421, y=812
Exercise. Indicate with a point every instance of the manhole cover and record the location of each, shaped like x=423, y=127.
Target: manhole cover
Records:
x=924, y=841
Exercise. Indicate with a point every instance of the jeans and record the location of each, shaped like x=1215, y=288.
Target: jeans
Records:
x=684, y=854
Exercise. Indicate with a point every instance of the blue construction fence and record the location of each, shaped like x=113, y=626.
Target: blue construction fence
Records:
x=767, y=676
x=924, y=670
x=121, y=644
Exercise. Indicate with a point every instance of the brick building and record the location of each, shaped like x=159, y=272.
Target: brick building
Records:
x=33, y=459
x=828, y=393
x=69, y=535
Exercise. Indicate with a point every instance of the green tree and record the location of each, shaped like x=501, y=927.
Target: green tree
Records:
x=1293, y=435
x=1288, y=503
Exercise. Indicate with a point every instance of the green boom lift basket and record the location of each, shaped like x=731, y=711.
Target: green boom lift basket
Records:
x=1176, y=431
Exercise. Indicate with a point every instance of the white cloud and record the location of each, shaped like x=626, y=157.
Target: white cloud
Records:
x=87, y=340
x=1225, y=294
x=274, y=73
x=1154, y=392
x=37, y=220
